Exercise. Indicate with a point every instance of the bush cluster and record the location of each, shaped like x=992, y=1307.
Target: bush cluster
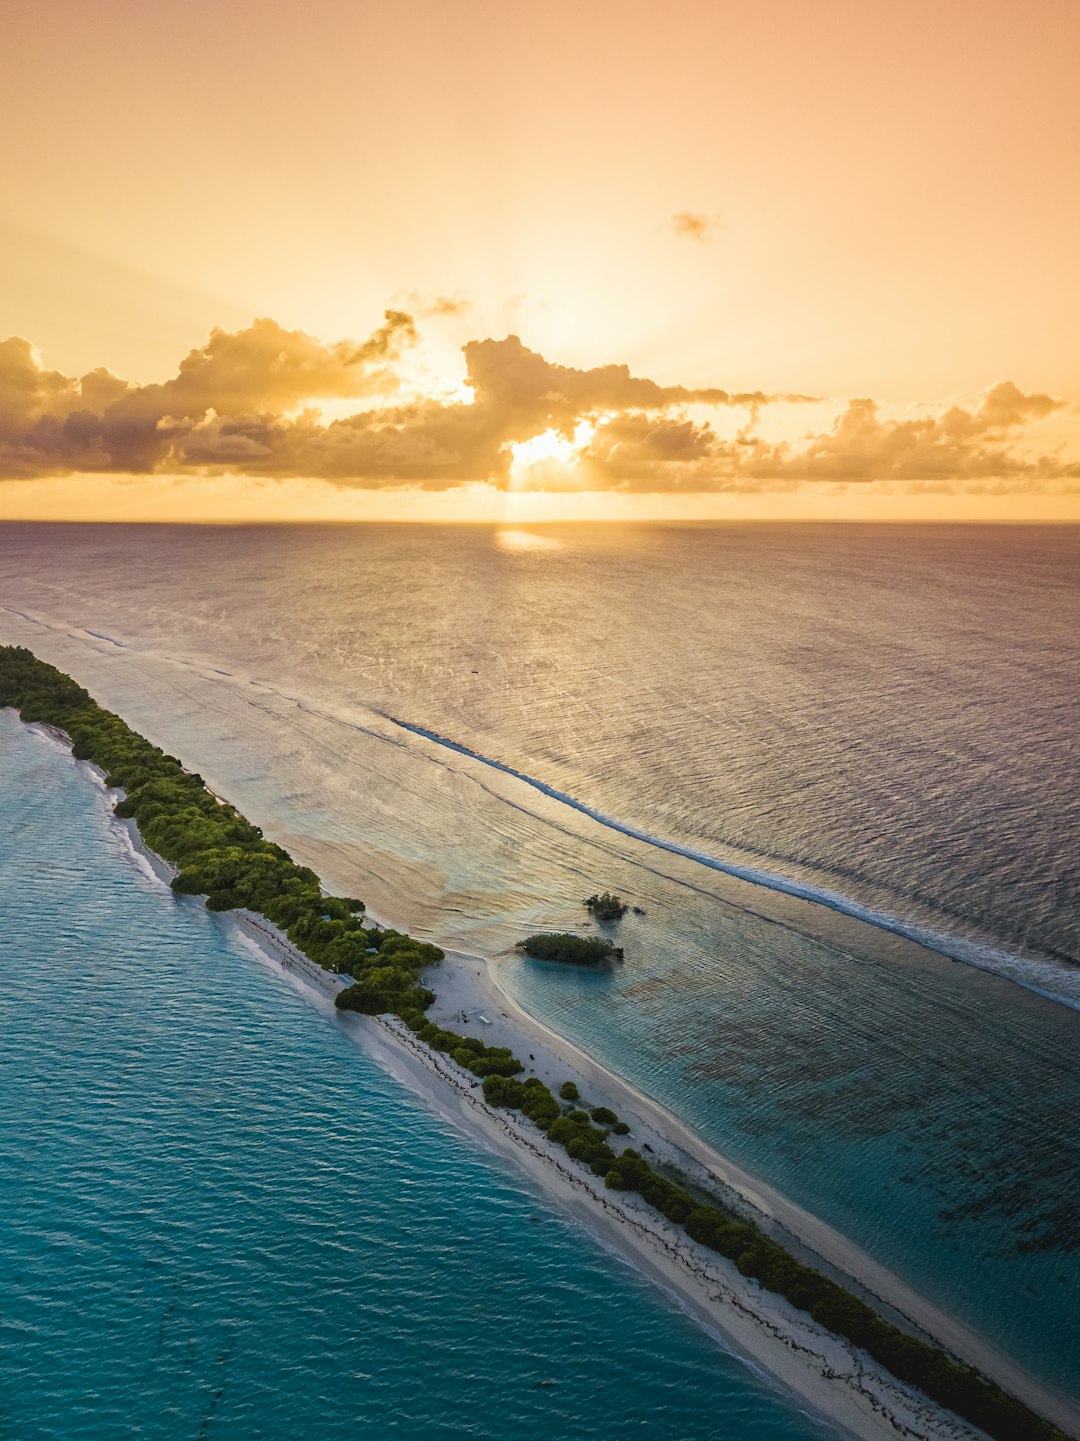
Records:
x=384, y=966
x=468, y=1051
x=606, y=906
x=571, y=1129
x=563, y=946
x=953, y=1385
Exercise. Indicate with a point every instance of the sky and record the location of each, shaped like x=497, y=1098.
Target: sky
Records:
x=477, y=261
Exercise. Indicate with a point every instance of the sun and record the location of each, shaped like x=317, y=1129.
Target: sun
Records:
x=549, y=451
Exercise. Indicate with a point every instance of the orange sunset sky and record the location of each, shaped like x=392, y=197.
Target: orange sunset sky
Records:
x=424, y=260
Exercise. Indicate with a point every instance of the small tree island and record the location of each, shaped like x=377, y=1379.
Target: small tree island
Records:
x=576, y=950
x=606, y=906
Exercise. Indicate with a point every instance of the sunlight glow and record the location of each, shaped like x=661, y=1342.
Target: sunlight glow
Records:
x=550, y=450
x=516, y=541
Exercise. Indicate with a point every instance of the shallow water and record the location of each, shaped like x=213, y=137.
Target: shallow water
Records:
x=887, y=709
x=219, y=1218
x=886, y=714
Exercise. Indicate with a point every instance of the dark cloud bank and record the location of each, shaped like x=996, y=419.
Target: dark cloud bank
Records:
x=243, y=402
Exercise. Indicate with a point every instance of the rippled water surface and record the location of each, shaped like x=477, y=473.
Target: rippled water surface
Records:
x=218, y=1218
x=879, y=718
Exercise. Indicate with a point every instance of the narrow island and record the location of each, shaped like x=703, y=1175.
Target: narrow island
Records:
x=220, y=855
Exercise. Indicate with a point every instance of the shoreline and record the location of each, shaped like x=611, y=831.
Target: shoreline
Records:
x=801, y=1232
x=467, y=983
x=815, y=1367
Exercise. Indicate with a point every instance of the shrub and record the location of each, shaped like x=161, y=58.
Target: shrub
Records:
x=495, y=1061
x=362, y=998
x=606, y=906
x=503, y=1091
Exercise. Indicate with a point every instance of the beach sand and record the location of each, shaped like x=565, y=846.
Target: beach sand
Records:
x=826, y=1375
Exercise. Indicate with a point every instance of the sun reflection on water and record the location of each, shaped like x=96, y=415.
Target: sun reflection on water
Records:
x=509, y=539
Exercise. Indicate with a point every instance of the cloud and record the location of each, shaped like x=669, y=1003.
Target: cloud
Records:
x=693, y=224
x=520, y=380
x=428, y=306
x=956, y=445
x=27, y=389
x=449, y=305
x=267, y=368
x=54, y=423
x=247, y=402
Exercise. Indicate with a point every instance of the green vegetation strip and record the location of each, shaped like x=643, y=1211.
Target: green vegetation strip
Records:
x=223, y=857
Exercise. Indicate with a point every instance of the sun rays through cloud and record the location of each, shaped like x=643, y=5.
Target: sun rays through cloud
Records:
x=551, y=460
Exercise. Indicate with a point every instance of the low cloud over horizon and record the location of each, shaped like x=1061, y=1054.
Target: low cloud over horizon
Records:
x=248, y=402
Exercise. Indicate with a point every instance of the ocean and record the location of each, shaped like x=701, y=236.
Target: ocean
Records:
x=834, y=767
